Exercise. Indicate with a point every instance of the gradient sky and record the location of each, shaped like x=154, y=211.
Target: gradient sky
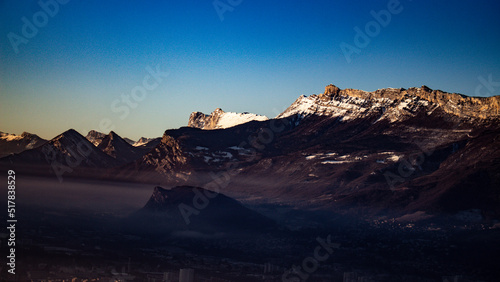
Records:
x=259, y=58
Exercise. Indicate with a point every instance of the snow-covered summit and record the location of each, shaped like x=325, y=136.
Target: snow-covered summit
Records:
x=142, y=141
x=393, y=104
x=219, y=119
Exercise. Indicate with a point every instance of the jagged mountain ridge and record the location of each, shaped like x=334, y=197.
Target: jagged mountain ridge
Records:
x=68, y=152
x=96, y=137
x=392, y=104
x=14, y=144
x=142, y=141
x=338, y=157
x=334, y=150
x=219, y=119
x=118, y=148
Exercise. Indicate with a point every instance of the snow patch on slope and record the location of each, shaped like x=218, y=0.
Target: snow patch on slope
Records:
x=231, y=119
x=142, y=141
x=219, y=119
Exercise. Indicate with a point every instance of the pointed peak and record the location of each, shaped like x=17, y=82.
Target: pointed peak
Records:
x=27, y=134
x=71, y=132
x=426, y=88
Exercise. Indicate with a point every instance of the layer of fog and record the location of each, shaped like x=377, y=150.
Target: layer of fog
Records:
x=117, y=198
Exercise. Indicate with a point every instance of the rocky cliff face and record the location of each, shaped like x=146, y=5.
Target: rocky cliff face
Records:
x=393, y=104
x=95, y=137
x=167, y=157
x=219, y=119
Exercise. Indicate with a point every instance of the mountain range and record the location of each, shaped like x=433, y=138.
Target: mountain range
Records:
x=12, y=144
x=121, y=150
x=390, y=151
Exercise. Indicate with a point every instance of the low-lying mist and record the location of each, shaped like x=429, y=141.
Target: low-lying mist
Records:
x=93, y=196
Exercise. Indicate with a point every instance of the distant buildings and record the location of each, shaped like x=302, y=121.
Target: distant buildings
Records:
x=455, y=278
x=186, y=275
x=168, y=277
x=350, y=277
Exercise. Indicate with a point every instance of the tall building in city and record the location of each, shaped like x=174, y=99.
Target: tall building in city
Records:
x=186, y=275
x=168, y=277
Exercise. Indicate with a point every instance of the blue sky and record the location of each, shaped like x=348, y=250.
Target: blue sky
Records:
x=259, y=58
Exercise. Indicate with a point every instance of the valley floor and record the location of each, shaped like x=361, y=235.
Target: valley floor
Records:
x=78, y=240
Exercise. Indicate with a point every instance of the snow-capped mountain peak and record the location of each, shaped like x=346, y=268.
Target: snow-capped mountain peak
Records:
x=219, y=119
x=391, y=104
x=142, y=141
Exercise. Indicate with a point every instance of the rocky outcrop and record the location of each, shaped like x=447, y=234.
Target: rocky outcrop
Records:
x=95, y=137
x=167, y=157
x=203, y=121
